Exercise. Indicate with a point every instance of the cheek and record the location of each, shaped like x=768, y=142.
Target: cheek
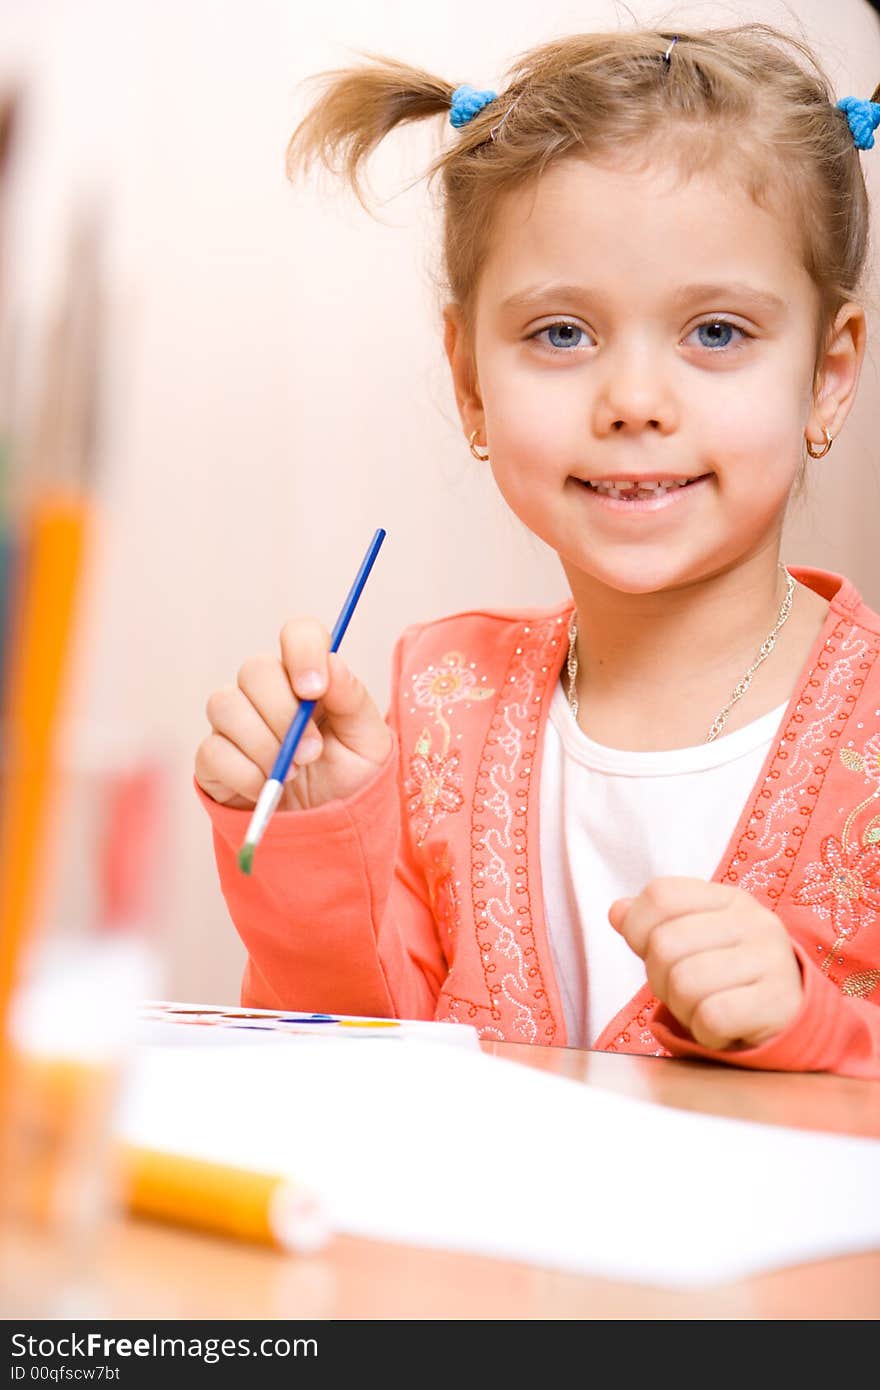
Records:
x=523, y=448
x=753, y=435
x=521, y=478
x=533, y=427
x=515, y=409
x=758, y=439
x=527, y=469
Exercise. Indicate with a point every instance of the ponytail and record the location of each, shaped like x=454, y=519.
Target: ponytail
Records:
x=357, y=109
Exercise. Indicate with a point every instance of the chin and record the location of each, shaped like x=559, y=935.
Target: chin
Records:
x=639, y=574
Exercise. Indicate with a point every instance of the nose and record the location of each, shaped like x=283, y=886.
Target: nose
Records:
x=634, y=394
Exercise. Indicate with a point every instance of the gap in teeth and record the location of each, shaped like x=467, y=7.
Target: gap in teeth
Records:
x=625, y=488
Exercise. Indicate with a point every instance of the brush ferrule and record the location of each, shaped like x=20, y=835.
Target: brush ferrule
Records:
x=266, y=803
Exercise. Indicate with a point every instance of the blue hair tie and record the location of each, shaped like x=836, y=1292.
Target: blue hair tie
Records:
x=863, y=118
x=467, y=102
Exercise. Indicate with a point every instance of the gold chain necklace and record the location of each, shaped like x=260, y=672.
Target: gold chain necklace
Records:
x=739, y=689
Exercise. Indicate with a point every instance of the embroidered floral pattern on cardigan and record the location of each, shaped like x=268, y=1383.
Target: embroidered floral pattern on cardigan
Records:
x=434, y=785
x=495, y=790
x=845, y=882
x=780, y=816
x=500, y=880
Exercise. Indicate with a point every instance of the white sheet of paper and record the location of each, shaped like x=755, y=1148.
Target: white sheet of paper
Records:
x=444, y=1147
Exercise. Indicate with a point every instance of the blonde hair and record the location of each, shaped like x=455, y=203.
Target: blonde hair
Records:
x=732, y=98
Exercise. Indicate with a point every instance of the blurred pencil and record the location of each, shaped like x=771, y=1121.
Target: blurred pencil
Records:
x=56, y=519
x=9, y=114
x=53, y=556
x=223, y=1200
x=7, y=567
x=9, y=119
x=9, y=104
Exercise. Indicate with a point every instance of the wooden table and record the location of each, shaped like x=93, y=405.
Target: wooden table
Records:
x=150, y=1271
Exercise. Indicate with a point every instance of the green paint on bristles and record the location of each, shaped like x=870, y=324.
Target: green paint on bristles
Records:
x=246, y=858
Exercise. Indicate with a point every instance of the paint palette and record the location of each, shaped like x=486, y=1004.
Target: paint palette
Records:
x=169, y=1022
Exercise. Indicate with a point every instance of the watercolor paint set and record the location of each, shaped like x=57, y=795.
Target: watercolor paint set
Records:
x=220, y=1022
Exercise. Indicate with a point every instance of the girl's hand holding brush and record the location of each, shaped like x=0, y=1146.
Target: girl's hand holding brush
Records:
x=344, y=742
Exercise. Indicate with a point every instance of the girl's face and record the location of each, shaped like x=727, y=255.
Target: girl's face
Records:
x=632, y=326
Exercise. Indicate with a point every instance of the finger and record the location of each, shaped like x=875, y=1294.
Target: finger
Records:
x=671, y=943
x=224, y=772
x=305, y=644
x=666, y=898
x=351, y=711
x=265, y=683
x=742, y=1015
x=696, y=978
x=346, y=696
x=309, y=748
x=232, y=714
x=618, y=910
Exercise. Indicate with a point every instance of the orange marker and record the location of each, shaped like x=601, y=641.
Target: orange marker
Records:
x=224, y=1200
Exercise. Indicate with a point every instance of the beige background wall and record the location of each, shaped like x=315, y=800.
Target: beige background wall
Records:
x=275, y=384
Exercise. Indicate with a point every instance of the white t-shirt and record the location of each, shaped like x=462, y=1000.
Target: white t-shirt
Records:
x=613, y=819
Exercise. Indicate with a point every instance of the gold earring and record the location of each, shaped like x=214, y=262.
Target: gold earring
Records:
x=473, y=449
x=829, y=440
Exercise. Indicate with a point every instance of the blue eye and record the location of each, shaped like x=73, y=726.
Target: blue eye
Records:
x=714, y=344
x=562, y=336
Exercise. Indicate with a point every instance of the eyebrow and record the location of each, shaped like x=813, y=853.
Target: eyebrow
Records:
x=759, y=299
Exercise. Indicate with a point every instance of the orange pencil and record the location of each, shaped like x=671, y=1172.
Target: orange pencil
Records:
x=222, y=1199
x=52, y=512
x=53, y=556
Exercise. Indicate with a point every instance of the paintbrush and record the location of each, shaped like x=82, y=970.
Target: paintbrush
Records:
x=274, y=786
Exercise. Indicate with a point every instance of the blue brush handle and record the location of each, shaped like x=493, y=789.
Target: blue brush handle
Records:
x=304, y=713
x=291, y=741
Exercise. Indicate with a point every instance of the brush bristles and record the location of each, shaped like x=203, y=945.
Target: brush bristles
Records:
x=246, y=858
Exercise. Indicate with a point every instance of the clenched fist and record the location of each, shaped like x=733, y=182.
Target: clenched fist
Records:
x=721, y=962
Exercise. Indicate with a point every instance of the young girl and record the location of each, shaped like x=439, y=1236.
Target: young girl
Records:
x=646, y=820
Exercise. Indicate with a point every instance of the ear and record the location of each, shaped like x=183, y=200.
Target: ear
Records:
x=464, y=374
x=838, y=375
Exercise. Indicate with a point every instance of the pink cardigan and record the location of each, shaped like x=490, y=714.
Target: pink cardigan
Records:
x=420, y=896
